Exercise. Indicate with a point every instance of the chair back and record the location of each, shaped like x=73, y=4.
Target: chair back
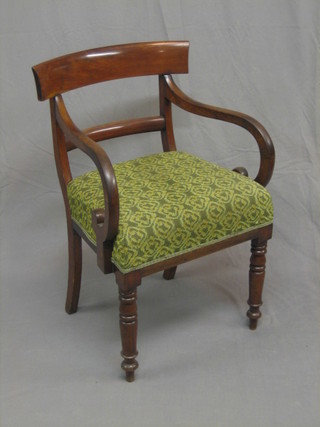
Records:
x=87, y=67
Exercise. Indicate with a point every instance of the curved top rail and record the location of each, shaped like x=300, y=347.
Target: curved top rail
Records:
x=87, y=67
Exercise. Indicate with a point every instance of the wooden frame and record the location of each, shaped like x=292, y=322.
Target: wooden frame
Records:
x=79, y=69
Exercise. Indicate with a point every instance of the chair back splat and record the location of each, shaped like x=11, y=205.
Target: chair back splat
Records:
x=151, y=213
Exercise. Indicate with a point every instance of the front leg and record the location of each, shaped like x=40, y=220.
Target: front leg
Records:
x=256, y=279
x=128, y=321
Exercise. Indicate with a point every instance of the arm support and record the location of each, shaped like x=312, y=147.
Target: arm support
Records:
x=107, y=224
x=267, y=155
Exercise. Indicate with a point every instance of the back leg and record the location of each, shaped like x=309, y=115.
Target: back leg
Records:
x=169, y=274
x=74, y=274
x=128, y=284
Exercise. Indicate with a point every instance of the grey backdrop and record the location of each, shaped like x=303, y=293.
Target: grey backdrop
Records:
x=199, y=363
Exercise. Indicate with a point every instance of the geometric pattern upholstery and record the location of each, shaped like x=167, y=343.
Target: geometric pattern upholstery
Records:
x=171, y=203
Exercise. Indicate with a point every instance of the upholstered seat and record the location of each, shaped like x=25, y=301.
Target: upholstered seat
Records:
x=171, y=203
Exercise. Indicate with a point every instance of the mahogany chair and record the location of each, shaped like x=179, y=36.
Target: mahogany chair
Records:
x=156, y=212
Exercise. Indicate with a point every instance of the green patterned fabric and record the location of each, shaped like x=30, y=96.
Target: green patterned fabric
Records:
x=171, y=203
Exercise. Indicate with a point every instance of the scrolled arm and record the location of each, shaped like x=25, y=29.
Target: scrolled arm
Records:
x=267, y=155
x=109, y=219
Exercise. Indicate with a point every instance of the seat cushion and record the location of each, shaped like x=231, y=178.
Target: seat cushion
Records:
x=171, y=203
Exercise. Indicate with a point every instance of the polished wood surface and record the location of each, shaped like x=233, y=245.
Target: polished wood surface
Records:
x=74, y=273
x=87, y=67
x=72, y=71
x=109, y=228
x=126, y=127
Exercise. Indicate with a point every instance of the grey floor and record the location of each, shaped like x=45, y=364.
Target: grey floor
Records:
x=199, y=363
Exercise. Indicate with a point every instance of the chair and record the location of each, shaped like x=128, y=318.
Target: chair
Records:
x=151, y=213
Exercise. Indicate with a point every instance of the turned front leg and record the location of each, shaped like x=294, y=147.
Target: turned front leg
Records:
x=128, y=329
x=128, y=284
x=256, y=279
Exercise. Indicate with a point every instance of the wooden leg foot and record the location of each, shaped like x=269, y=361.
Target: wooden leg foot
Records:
x=170, y=273
x=256, y=279
x=129, y=365
x=74, y=274
x=253, y=323
x=130, y=376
